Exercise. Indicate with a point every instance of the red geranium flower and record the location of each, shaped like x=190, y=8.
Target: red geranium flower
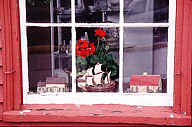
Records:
x=92, y=48
x=84, y=48
x=100, y=32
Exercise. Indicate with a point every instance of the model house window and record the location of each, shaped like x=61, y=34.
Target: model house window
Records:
x=98, y=51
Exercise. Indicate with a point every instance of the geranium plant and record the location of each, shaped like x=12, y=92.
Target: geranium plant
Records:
x=90, y=53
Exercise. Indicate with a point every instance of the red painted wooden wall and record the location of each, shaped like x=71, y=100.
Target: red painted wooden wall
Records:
x=1, y=68
x=180, y=20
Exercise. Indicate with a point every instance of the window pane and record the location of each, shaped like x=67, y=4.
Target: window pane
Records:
x=145, y=60
x=49, y=59
x=92, y=11
x=149, y=11
x=97, y=59
x=43, y=11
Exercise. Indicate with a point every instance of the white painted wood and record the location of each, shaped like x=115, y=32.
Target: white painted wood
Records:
x=171, y=49
x=52, y=38
x=24, y=52
x=101, y=98
x=98, y=24
x=73, y=47
x=121, y=36
x=146, y=99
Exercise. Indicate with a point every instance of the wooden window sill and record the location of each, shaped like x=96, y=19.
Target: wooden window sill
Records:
x=97, y=114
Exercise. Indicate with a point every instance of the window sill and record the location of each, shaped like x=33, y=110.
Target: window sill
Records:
x=97, y=114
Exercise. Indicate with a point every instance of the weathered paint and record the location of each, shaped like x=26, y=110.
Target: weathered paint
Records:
x=97, y=114
x=10, y=41
x=1, y=111
x=74, y=124
x=182, y=82
x=1, y=69
x=190, y=39
x=11, y=54
x=185, y=59
x=1, y=93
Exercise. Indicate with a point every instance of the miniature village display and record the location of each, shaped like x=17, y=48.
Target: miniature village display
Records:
x=98, y=67
x=145, y=84
x=52, y=84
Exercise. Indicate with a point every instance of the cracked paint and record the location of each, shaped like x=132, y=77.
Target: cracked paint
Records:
x=171, y=115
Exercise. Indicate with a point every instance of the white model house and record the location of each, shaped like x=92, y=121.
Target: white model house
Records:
x=52, y=84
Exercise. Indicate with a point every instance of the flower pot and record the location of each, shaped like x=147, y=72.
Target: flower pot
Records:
x=107, y=88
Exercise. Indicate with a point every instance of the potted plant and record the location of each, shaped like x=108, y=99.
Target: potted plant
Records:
x=98, y=66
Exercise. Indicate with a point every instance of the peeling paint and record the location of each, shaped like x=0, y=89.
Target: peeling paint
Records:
x=116, y=111
x=46, y=114
x=78, y=105
x=171, y=115
x=139, y=107
x=26, y=110
x=135, y=111
x=94, y=114
x=21, y=113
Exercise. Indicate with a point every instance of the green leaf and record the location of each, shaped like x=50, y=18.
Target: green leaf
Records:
x=109, y=66
x=113, y=73
x=114, y=67
x=94, y=59
x=81, y=61
x=104, y=63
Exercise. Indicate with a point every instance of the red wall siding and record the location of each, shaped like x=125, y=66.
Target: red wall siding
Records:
x=1, y=70
x=1, y=67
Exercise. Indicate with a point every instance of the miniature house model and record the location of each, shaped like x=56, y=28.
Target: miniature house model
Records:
x=145, y=84
x=52, y=84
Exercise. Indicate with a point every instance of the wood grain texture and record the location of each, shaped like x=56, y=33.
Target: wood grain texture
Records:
x=1, y=55
x=191, y=56
x=1, y=93
x=1, y=75
x=11, y=54
x=186, y=57
x=178, y=49
x=0, y=39
x=60, y=124
x=1, y=111
x=97, y=114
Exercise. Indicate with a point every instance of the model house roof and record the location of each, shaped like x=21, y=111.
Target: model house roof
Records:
x=145, y=80
x=52, y=80
x=41, y=84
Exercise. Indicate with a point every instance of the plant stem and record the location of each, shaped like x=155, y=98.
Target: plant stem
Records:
x=98, y=42
x=105, y=54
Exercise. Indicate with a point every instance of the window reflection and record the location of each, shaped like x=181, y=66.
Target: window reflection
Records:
x=92, y=11
x=145, y=60
x=97, y=59
x=49, y=59
x=146, y=11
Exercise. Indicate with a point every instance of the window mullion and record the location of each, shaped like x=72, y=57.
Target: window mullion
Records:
x=24, y=52
x=121, y=48
x=73, y=46
x=52, y=39
x=171, y=48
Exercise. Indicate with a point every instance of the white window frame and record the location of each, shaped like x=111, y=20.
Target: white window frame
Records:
x=142, y=99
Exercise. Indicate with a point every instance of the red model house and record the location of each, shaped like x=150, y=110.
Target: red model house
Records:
x=13, y=112
x=145, y=83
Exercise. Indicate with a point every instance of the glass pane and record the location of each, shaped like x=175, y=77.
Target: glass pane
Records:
x=49, y=59
x=97, y=59
x=43, y=11
x=92, y=11
x=145, y=60
x=147, y=11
